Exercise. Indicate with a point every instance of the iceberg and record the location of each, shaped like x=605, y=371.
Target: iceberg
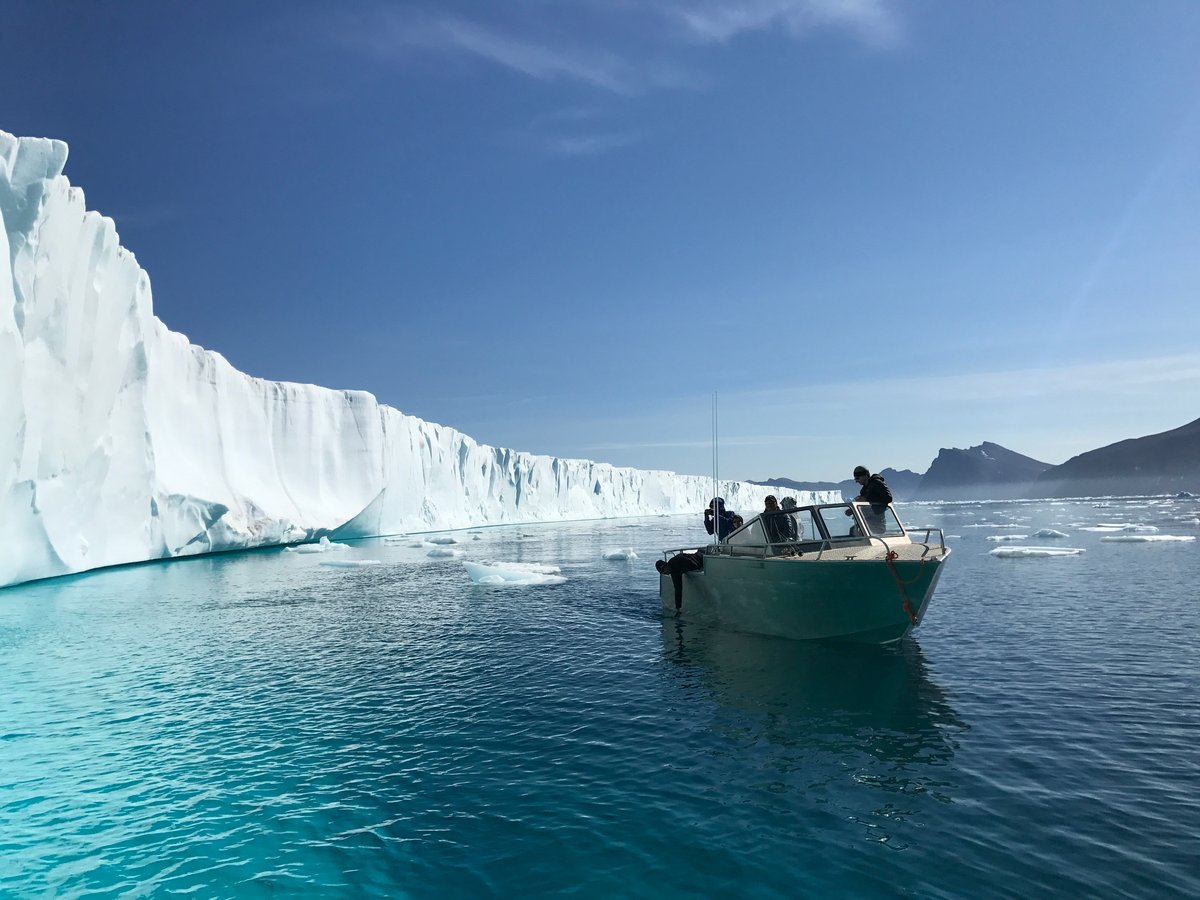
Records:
x=1035, y=552
x=122, y=442
x=1148, y=538
x=506, y=573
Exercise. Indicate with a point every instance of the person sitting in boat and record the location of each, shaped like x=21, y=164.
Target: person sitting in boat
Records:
x=717, y=517
x=789, y=521
x=873, y=490
x=774, y=521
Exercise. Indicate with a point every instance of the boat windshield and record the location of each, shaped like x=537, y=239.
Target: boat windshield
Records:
x=839, y=521
x=793, y=526
x=881, y=520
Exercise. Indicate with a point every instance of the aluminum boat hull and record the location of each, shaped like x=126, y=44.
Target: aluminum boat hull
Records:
x=835, y=597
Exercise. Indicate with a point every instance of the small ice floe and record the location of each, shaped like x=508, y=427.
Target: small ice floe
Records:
x=446, y=553
x=1108, y=527
x=620, y=553
x=348, y=563
x=513, y=573
x=1007, y=537
x=321, y=546
x=443, y=539
x=1049, y=533
x=1146, y=538
x=994, y=525
x=1013, y=552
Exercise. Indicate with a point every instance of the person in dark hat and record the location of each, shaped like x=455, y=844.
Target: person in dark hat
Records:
x=871, y=488
x=718, y=518
x=773, y=520
x=874, y=491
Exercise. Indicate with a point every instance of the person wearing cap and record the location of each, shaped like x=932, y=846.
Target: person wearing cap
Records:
x=871, y=488
x=717, y=517
x=773, y=521
x=791, y=532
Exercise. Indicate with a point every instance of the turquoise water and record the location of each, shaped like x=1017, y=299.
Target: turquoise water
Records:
x=261, y=725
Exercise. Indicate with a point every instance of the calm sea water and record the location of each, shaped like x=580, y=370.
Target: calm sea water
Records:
x=261, y=725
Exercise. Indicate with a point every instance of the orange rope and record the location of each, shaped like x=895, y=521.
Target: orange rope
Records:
x=900, y=585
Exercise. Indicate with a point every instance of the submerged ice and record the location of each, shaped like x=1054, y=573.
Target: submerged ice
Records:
x=120, y=441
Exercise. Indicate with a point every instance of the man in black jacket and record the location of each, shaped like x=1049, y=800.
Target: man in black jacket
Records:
x=874, y=491
x=871, y=488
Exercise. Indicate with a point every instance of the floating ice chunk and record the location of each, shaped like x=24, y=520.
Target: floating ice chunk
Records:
x=443, y=539
x=513, y=573
x=1146, y=538
x=1141, y=529
x=1007, y=537
x=348, y=563
x=994, y=525
x=446, y=552
x=1049, y=533
x=621, y=553
x=1011, y=552
x=321, y=547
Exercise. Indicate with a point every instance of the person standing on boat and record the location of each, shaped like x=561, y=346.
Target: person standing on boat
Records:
x=873, y=490
x=718, y=518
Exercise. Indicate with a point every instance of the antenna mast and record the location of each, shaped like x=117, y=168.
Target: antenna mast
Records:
x=716, y=483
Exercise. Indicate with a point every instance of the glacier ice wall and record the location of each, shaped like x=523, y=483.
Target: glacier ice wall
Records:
x=121, y=442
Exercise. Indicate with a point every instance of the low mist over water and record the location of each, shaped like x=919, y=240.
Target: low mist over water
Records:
x=369, y=719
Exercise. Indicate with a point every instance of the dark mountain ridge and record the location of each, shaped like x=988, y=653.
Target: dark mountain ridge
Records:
x=1164, y=463
x=986, y=471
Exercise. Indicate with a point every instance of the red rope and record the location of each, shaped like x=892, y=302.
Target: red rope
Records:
x=890, y=560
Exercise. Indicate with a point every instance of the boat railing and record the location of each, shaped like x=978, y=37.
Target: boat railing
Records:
x=928, y=530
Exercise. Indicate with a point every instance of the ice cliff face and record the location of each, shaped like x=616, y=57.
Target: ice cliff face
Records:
x=122, y=442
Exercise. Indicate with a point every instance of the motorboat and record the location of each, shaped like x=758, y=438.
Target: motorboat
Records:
x=834, y=571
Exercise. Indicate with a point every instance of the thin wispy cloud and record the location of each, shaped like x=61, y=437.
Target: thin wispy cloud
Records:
x=739, y=441
x=552, y=47
x=399, y=35
x=715, y=21
x=588, y=144
x=1111, y=379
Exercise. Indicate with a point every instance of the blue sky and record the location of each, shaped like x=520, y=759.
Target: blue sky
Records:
x=874, y=228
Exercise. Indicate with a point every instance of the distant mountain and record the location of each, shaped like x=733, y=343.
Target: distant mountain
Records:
x=902, y=482
x=987, y=471
x=1166, y=463
x=1163, y=463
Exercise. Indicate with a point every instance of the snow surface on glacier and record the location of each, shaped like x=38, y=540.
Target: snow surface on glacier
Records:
x=120, y=441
